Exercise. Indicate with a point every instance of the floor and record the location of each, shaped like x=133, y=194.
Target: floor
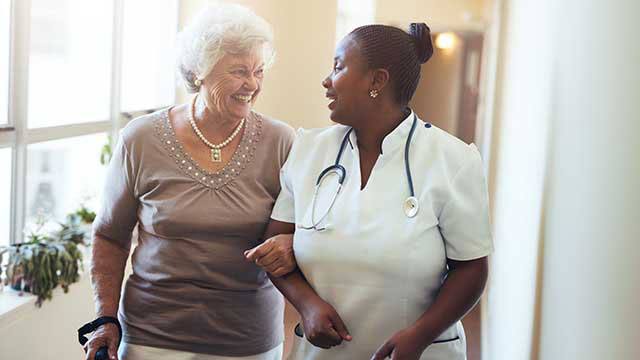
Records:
x=471, y=324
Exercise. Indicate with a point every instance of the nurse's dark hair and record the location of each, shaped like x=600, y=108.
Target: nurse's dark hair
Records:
x=400, y=53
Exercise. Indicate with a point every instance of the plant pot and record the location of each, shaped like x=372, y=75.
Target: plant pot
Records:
x=17, y=285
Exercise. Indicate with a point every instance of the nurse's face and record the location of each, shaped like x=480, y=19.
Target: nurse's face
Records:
x=348, y=84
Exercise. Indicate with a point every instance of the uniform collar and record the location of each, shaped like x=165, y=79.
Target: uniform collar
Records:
x=398, y=136
x=394, y=140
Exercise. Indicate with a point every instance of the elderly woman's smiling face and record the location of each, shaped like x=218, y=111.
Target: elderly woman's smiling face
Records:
x=234, y=84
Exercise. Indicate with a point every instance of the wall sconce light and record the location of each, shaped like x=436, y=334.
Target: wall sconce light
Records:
x=446, y=40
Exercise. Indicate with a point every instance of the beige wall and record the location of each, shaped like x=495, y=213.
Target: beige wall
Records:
x=437, y=98
x=438, y=14
x=304, y=39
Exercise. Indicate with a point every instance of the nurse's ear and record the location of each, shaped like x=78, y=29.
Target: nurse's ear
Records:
x=379, y=81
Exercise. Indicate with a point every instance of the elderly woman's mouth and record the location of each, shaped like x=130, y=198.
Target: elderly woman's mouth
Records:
x=242, y=98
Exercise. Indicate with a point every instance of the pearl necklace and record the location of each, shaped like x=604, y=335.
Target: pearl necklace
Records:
x=216, y=149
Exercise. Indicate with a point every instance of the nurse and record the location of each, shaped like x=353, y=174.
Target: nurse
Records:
x=392, y=240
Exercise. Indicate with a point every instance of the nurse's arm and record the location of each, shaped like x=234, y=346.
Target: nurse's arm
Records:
x=458, y=294
x=322, y=325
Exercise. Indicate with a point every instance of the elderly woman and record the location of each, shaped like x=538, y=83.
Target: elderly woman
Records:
x=199, y=180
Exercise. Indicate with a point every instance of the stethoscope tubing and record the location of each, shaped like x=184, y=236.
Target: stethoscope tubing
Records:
x=342, y=173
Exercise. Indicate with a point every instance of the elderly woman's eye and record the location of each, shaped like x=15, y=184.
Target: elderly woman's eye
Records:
x=259, y=73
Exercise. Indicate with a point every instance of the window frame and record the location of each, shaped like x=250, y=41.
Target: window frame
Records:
x=16, y=134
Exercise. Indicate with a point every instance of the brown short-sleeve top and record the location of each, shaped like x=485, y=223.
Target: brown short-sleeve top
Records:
x=191, y=288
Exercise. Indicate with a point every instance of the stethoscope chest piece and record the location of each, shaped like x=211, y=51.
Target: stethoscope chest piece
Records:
x=411, y=206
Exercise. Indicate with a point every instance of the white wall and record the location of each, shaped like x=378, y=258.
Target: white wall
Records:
x=518, y=170
x=591, y=281
x=564, y=279
x=49, y=332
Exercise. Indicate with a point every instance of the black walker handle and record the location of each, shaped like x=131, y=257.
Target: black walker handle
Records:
x=103, y=352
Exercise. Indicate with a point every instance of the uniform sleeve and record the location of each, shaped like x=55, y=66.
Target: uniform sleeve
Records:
x=286, y=144
x=118, y=214
x=284, y=208
x=464, y=220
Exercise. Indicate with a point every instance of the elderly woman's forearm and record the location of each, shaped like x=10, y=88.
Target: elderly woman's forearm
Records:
x=107, y=272
x=293, y=286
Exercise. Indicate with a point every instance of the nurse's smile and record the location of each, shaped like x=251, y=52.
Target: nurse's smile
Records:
x=332, y=103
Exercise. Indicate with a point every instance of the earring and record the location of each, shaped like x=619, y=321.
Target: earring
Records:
x=198, y=82
x=373, y=93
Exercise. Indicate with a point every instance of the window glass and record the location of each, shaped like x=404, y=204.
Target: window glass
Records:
x=5, y=33
x=148, y=58
x=5, y=195
x=70, y=61
x=62, y=175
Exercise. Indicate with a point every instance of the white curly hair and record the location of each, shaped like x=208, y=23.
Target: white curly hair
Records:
x=218, y=30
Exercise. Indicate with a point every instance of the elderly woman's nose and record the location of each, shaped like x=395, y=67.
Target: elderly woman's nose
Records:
x=252, y=83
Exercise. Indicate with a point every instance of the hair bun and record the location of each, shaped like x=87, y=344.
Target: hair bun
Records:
x=421, y=35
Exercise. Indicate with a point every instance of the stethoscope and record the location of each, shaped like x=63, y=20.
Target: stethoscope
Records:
x=410, y=205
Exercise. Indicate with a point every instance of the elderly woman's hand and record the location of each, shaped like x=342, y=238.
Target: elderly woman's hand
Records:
x=275, y=255
x=106, y=335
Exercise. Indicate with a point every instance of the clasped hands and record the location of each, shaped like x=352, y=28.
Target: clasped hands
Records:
x=322, y=325
x=324, y=328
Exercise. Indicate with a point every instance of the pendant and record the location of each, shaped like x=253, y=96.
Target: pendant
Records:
x=216, y=155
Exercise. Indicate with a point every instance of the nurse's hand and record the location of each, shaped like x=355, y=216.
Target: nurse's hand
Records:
x=403, y=345
x=322, y=325
x=275, y=255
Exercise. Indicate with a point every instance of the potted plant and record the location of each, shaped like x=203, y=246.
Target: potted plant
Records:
x=84, y=214
x=46, y=260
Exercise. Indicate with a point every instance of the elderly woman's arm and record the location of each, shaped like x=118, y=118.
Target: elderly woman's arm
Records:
x=322, y=325
x=107, y=271
x=274, y=255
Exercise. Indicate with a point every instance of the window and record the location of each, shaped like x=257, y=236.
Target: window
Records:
x=5, y=195
x=69, y=61
x=148, y=66
x=5, y=31
x=80, y=65
x=63, y=174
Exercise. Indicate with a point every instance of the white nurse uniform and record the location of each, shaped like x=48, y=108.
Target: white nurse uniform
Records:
x=380, y=269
